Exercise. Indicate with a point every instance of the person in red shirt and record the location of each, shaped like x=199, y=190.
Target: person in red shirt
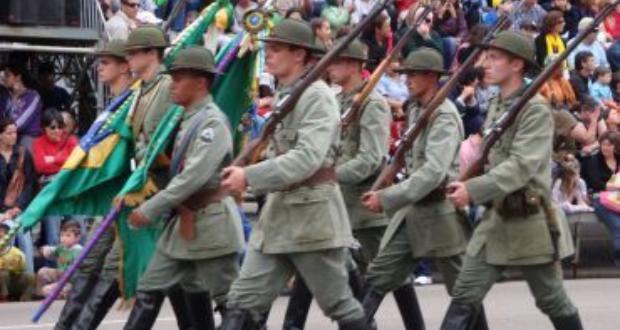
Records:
x=612, y=25
x=51, y=150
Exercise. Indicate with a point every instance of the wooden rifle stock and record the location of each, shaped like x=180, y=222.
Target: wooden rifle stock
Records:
x=251, y=152
x=387, y=176
x=359, y=98
x=508, y=118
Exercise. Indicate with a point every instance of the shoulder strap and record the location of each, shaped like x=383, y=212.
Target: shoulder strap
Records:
x=179, y=153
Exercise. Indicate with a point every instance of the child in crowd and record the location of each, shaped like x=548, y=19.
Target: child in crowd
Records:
x=600, y=89
x=64, y=254
x=569, y=190
x=15, y=282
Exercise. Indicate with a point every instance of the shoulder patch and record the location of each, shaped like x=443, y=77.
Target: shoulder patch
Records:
x=207, y=135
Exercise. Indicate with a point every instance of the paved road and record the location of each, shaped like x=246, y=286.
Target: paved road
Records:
x=509, y=306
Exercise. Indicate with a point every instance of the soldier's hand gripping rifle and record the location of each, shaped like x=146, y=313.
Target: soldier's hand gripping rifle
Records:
x=353, y=111
x=508, y=118
x=254, y=149
x=387, y=176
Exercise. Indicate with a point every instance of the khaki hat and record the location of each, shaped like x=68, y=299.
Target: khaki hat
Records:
x=356, y=50
x=293, y=32
x=516, y=44
x=147, y=36
x=197, y=59
x=423, y=59
x=114, y=48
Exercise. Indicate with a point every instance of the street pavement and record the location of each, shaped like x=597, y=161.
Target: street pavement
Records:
x=509, y=306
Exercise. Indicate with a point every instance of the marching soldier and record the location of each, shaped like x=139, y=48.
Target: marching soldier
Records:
x=199, y=246
x=516, y=230
x=425, y=224
x=364, y=147
x=304, y=227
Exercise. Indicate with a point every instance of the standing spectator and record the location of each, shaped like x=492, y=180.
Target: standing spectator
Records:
x=549, y=41
x=52, y=95
x=322, y=32
x=569, y=190
x=590, y=43
x=581, y=77
x=377, y=39
x=24, y=104
x=241, y=8
x=571, y=14
x=600, y=89
x=424, y=36
x=50, y=151
x=15, y=281
x=64, y=254
x=525, y=11
x=119, y=26
x=452, y=27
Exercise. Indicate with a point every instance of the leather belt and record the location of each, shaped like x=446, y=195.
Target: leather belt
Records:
x=322, y=176
x=193, y=203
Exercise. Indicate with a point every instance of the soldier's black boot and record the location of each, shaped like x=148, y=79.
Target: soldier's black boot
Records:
x=236, y=319
x=356, y=283
x=102, y=298
x=180, y=308
x=459, y=317
x=80, y=291
x=572, y=322
x=298, y=306
x=359, y=324
x=200, y=310
x=407, y=302
x=481, y=321
x=370, y=303
x=145, y=311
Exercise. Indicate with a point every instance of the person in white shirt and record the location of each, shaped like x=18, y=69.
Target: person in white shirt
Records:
x=119, y=25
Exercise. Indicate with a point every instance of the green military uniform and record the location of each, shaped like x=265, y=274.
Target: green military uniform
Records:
x=304, y=225
x=424, y=224
x=515, y=230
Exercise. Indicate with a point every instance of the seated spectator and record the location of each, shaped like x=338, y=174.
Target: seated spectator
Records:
x=581, y=77
x=615, y=86
x=322, y=32
x=266, y=90
x=424, y=36
x=484, y=93
x=393, y=87
x=471, y=41
x=524, y=11
x=15, y=282
x=549, y=41
x=464, y=97
x=377, y=39
x=68, y=118
x=590, y=126
x=470, y=147
x=52, y=95
x=451, y=26
x=590, y=44
x=64, y=254
x=359, y=9
x=530, y=29
x=557, y=90
x=569, y=190
x=600, y=89
x=295, y=13
x=611, y=26
x=572, y=16
x=337, y=16
x=24, y=104
x=598, y=167
x=121, y=24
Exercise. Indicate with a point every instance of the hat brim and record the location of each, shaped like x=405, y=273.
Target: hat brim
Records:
x=102, y=53
x=192, y=69
x=531, y=64
x=313, y=48
x=130, y=48
x=407, y=70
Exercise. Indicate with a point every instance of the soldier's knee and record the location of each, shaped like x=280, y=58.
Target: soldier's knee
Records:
x=467, y=293
x=555, y=304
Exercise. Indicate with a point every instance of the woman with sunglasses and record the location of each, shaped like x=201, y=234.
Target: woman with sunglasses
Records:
x=124, y=21
x=50, y=150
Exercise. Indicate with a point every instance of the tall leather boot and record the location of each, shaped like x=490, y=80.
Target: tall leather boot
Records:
x=200, y=310
x=180, y=308
x=571, y=322
x=236, y=319
x=481, y=321
x=407, y=302
x=371, y=302
x=356, y=283
x=102, y=298
x=81, y=290
x=298, y=306
x=359, y=324
x=459, y=317
x=145, y=310
x=262, y=323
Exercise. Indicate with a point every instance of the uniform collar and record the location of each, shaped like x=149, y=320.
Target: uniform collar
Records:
x=354, y=91
x=147, y=85
x=515, y=95
x=194, y=109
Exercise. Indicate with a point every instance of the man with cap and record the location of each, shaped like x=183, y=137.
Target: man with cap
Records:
x=95, y=287
x=516, y=230
x=198, y=248
x=424, y=223
x=364, y=146
x=590, y=44
x=304, y=227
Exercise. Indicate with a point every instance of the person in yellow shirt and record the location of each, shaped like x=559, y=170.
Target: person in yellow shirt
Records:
x=15, y=282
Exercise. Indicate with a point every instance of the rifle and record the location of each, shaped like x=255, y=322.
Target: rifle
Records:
x=386, y=177
x=253, y=150
x=359, y=98
x=508, y=118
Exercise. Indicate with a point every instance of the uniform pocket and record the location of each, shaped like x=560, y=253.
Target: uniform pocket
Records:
x=212, y=227
x=308, y=211
x=529, y=237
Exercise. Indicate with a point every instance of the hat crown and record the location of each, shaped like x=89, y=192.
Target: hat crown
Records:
x=114, y=48
x=194, y=58
x=146, y=37
x=355, y=50
x=515, y=43
x=424, y=59
x=294, y=32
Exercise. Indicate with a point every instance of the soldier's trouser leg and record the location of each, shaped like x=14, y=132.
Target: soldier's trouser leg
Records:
x=263, y=275
x=370, y=239
x=85, y=279
x=386, y=273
